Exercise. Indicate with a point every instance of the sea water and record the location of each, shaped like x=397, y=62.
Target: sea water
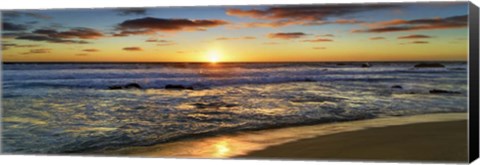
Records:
x=69, y=108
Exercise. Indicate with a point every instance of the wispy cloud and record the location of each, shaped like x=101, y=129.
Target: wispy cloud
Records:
x=150, y=25
x=16, y=14
x=398, y=25
x=286, y=36
x=377, y=38
x=81, y=33
x=319, y=48
x=414, y=36
x=131, y=11
x=319, y=40
x=50, y=39
x=132, y=49
x=90, y=50
x=38, y=51
x=236, y=38
x=305, y=15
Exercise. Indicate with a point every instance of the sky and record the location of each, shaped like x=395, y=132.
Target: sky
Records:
x=284, y=33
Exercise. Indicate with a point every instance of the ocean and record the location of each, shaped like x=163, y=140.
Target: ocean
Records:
x=72, y=108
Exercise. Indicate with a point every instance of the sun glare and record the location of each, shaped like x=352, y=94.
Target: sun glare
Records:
x=213, y=56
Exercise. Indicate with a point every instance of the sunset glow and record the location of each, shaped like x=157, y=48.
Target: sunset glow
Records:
x=213, y=56
x=371, y=32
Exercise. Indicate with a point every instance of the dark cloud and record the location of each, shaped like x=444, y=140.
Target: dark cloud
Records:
x=50, y=39
x=38, y=51
x=81, y=33
x=377, y=38
x=319, y=40
x=150, y=25
x=6, y=46
x=13, y=27
x=161, y=42
x=131, y=11
x=420, y=42
x=132, y=49
x=81, y=54
x=307, y=15
x=286, y=36
x=90, y=50
x=414, y=36
x=236, y=38
x=398, y=25
x=54, y=36
x=16, y=14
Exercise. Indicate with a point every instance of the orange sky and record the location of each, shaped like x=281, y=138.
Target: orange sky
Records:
x=380, y=32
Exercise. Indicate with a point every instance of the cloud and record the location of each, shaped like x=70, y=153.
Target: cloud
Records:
x=377, y=38
x=6, y=46
x=270, y=43
x=236, y=38
x=13, y=27
x=49, y=39
x=319, y=40
x=155, y=40
x=15, y=14
x=319, y=48
x=81, y=33
x=54, y=36
x=90, y=50
x=150, y=25
x=420, y=42
x=131, y=11
x=132, y=49
x=415, y=36
x=286, y=36
x=306, y=15
x=399, y=25
x=81, y=54
x=326, y=35
x=161, y=42
x=38, y=51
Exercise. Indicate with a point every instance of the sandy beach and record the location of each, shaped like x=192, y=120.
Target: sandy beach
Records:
x=434, y=142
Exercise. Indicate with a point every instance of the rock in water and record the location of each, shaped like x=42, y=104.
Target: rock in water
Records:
x=133, y=86
x=439, y=91
x=178, y=87
x=366, y=65
x=429, y=65
x=128, y=86
x=397, y=87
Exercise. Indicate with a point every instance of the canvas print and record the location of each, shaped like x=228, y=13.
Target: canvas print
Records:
x=373, y=81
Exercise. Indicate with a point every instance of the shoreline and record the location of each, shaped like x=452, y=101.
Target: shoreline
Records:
x=243, y=143
x=444, y=141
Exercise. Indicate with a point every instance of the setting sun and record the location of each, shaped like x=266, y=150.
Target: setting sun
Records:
x=213, y=56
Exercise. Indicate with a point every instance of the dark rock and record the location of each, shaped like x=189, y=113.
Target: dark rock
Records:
x=397, y=87
x=128, y=86
x=457, y=69
x=366, y=65
x=341, y=64
x=309, y=80
x=439, y=91
x=429, y=65
x=178, y=87
x=133, y=86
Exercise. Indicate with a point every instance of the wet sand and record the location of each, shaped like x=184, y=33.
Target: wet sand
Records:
x=433, y=142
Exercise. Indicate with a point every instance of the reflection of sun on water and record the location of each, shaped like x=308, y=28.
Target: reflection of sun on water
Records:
x=222, y=148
